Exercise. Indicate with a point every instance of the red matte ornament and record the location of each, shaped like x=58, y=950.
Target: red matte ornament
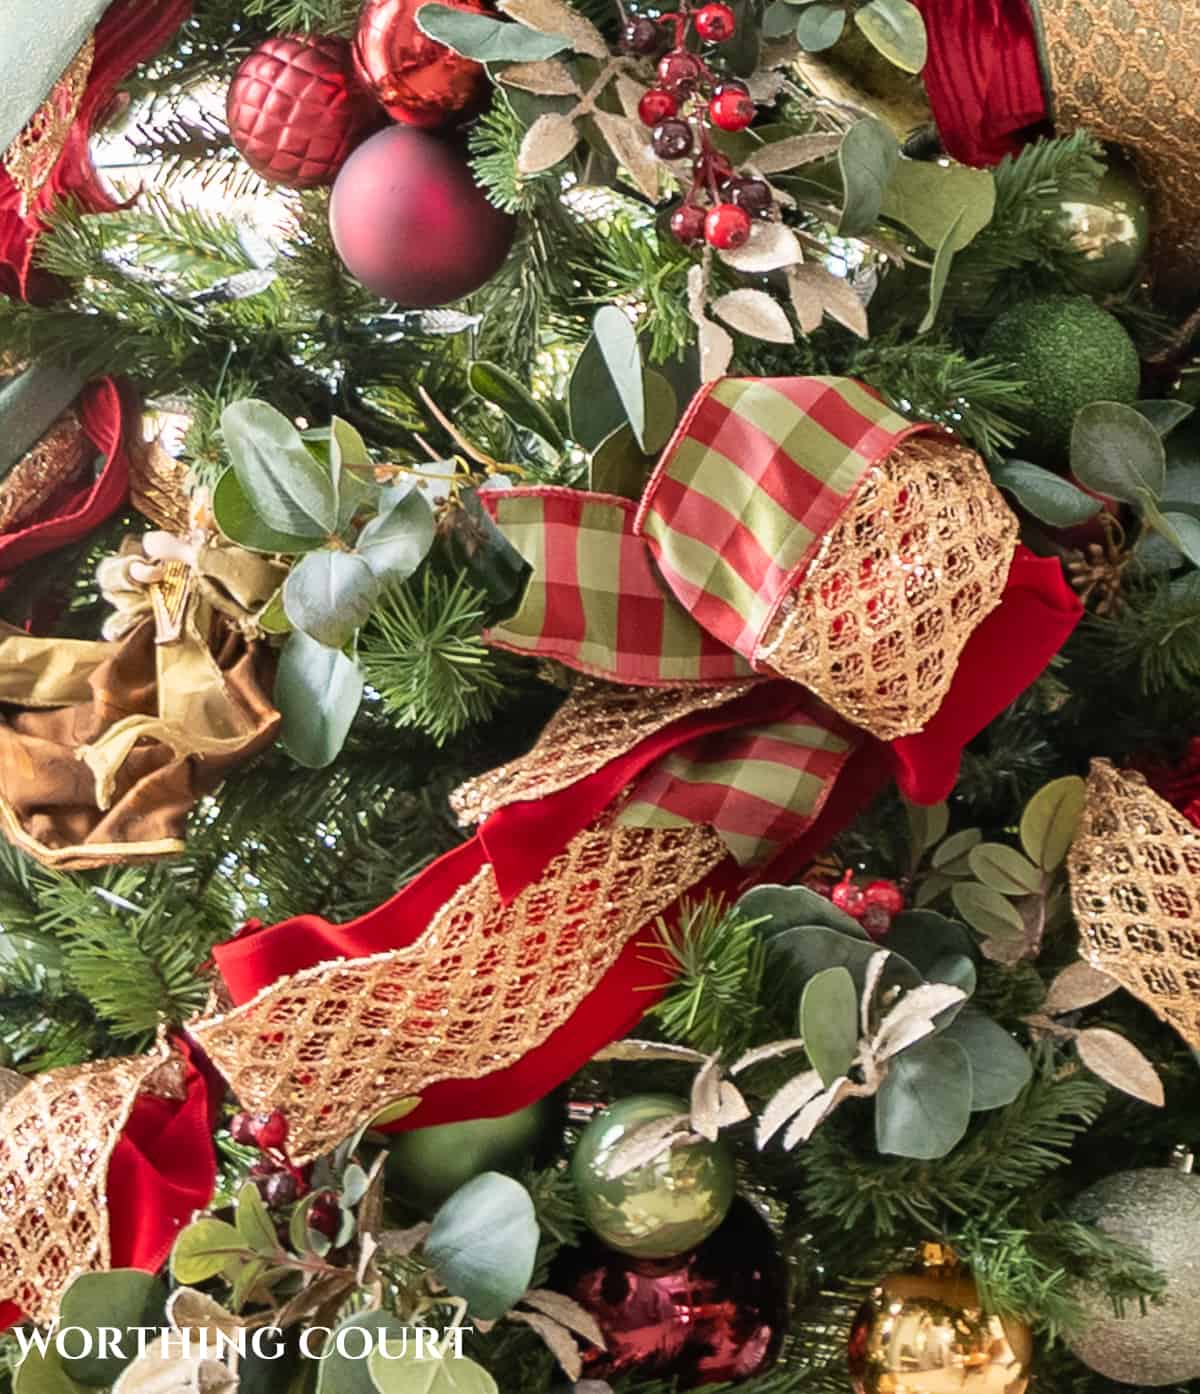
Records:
x=414, y=78
x=715, y=1314
x=295, y=109
x=412, y=225
x=727, y=227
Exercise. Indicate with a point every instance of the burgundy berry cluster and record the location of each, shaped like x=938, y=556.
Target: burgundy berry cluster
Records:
x=873, y=905
x=280, y=1182
x=688, y=99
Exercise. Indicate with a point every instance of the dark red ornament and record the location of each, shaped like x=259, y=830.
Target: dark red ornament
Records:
x=754, y=195
x=714, y=23
x=715, y=1314
x=672, y=140
x=679, y=70
x=886, y=895
x=295, y=109
x=727, y=227
x=687, y=223
x=731, y=110
x=414, y=78
x=412, y=225
x=655, y=106
x=641, y=36
x=271, y=1130
x=849, y=897
x=278, y=1189
x=324, y=1215
x=243, y=1129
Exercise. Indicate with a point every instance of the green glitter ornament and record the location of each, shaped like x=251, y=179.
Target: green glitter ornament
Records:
x=663, y=1208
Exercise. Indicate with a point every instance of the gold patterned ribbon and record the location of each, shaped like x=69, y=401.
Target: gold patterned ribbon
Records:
x=31, y=158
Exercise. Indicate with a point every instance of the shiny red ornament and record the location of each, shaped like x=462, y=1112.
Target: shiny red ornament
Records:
x=678, y=71
x=410, y=222
x=727, y=227
x=714, y=23
x=715, y=1314
x=655, y=106
x=849, y=897
x=271, y=1130
x=687, y=223
x=731, y=110
x=295, y=109
x=886, y=895
x=414, y=78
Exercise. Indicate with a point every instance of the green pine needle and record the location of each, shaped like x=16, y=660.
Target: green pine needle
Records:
x=423, y=654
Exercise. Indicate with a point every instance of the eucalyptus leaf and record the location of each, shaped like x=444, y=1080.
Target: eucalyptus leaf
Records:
x=43, y=1374
x=988, y=912
x=955, y=846
x=896, y=29
x=202, y=1249
x=397, y=540
x=409, y=1373
x=1117, y=452
x=289, y=490
x=494, y=384
x=1000, y=1068
x=329, y=594
x=1165, y=415
x=820, y=26
x=124, y=1298
x=617, y=341
x=483, y=1243
x=1050, y=820
x=940, y=201
x=237, y=519
x=1185, y=532
x=317, y=691
x=924, y=937
x=927, y=824
x=350, y=1373
x=794, y=956
x=923, y=1106
x=938, y=275
x=784, y=907
x=778, y=19
x=253, y=1222
x=866, y=158
x=618, y=466
x=829, y=1023
x=485, y=39
x=1048, y=497
x=1004, y=869
x=593, y=404
x=662, y=411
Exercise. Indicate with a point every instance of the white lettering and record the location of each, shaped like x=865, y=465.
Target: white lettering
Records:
x=342, y=1342
x=276, y=1351
x=33, y=1340
x=393, y=1347
x=426, y=1343
x=307, y=1335
x=85, y=1345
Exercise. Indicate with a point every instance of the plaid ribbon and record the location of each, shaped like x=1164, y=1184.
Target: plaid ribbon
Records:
x=679, y=589
x=759, y=788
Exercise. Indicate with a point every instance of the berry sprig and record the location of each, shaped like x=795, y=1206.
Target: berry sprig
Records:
x=687, y=101
x=874, y=905
x=279, y=1180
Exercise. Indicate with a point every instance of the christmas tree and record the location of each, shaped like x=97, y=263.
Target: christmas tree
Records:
x=598, y=750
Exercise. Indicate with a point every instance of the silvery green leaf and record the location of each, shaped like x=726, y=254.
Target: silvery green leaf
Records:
x=912, y=1018
x=650, y=1050
x=785, y=1103
x=771, y=1051
x=814, y=1113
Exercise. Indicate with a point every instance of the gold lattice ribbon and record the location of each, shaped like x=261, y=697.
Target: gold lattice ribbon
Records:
x=31, y=158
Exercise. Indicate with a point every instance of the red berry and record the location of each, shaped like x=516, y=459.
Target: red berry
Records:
x=640, y=36
x=243, y=1128
x=731, y=111
x=712, y=162
x=672, y=140
x=679, y=69
x=324, y=1215
x=714, y=23
x=754, y=195
x=277, y=1190
x=687, y=223
x=271, y=1130
x=656, y=106
x=887, y=895
x=847, y=896
x=726, y=227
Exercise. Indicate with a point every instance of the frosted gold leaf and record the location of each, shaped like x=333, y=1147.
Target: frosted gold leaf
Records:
x=716, y=351
x=558, y=1339
x=630, y=94
x=892, y=592
x=765, y=86
x=551, y=138
x=1120, y=1063
x=807, y=301
x=754, y=312
x=548, y=78
x=837, y=296
x=553, y=17
x=1077, y=986
x=771, y=245
x=567, y=1312
x=629, y=144
x=1135, y=890
x=794, y=151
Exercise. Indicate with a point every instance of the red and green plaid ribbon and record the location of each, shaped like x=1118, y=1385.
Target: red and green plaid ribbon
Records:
x=756, y=474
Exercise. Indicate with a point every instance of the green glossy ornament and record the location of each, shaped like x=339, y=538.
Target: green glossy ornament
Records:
x=427, y=1165
x=1156, y=1209
x=1111, y=230
x=663, y=1208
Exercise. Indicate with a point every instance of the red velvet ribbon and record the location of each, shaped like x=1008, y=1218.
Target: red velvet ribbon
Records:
x=129, y=33
x=983, y=76
x=163, y=1169
x=1007, y=651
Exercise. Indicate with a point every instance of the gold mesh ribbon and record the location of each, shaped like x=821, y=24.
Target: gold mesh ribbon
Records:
x=56, y=1141
x=1127, y=71
x=58, y=458
x=1135, y=890
x=483, y=985
x=896, y=588
x=598, y=722
x=31, y=158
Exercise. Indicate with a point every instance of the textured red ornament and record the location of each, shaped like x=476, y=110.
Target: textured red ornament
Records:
x=715, y=1314
x=415, y=79
x=295, y=109
x=410, y=222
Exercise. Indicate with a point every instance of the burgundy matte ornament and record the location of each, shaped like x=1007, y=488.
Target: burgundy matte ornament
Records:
x=717, y=1313
x=410, y=222
x=295, y=109
x=414, y=78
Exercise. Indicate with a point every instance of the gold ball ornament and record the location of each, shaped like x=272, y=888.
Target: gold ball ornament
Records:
x=926, y=1333
x=1127, y=72
x=1110, y=230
